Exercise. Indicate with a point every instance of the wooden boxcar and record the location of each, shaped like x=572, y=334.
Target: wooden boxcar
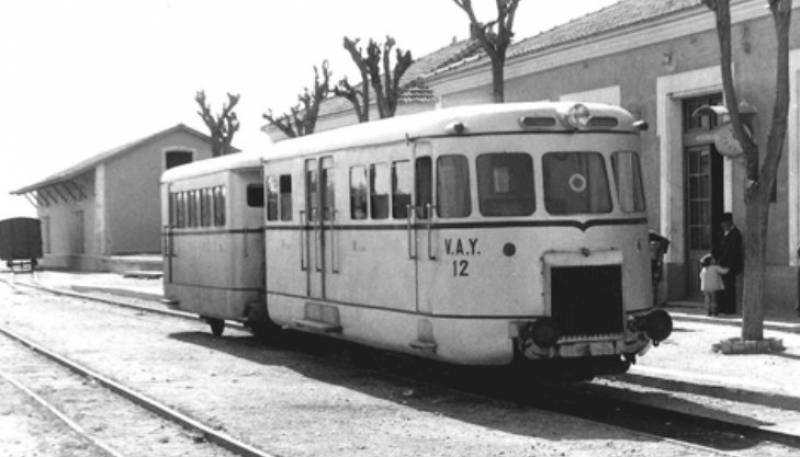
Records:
x=20, y=241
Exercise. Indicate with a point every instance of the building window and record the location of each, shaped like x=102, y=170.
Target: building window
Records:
x=452, y=186
x=176, y=158
x=505, y=184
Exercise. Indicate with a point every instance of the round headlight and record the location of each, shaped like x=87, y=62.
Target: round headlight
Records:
x=544, y=332
x=578, y=116
x=657, y=325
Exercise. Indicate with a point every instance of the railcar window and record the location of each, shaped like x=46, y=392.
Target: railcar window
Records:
x=180, y=220
x=312, y=198
x=358, y=192
x=401, y=188
x=628, y=176
x=452, y=186
x=272, y=198
x=205, y=207
x=379, y=190
x=219, y=205
x=194, y=209
x=328, y=186
x=255, y=195
x=575, y=182
x=286, y=197
x=505, y=184
x=424, y=176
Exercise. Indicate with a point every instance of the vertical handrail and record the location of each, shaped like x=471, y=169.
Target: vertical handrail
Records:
x=429, y=209
x=334, y=243
x=303, y=240
x=314, y=216
x=412, y=240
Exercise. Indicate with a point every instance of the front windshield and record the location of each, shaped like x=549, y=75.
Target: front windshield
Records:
x=575, y=183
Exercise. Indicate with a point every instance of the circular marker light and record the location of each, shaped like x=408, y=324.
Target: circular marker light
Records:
x=509, y=249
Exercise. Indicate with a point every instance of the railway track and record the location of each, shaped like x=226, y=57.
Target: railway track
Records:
x=700, y=433
x=104, y=412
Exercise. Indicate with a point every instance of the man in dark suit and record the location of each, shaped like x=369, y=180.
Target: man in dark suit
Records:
x=730, y=256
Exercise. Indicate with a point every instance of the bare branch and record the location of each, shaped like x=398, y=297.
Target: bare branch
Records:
x=222, y=126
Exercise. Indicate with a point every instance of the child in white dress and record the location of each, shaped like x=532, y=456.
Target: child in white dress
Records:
x=711, y=282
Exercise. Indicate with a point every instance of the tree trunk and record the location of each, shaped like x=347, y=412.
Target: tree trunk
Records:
x=755, y=243
x=498, y=85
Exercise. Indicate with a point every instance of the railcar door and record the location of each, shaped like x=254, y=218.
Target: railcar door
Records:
x=317, y=218
x=370, y=241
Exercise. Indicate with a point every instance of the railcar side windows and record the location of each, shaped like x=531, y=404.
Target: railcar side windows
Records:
x=192, y=204
x=379, y=190
x=279, y=197
x=194, y=208
x=286, y=197
x=272, y=198
x=575, y=183
x=401, y=188
x=505, y=184
x=219, y=205
x=255, y=195
x=628, y=176
x=424, y=187
x=358, y=192
x=452, y=186
x=205, y=207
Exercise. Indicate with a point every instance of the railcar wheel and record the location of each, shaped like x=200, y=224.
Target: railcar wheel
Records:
x=217, y=326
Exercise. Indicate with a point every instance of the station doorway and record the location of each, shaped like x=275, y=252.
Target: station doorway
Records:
x=703, y=187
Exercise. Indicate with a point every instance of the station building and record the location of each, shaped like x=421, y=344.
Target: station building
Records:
x=108, y=206
x=660, y=60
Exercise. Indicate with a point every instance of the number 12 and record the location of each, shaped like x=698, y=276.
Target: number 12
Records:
x=460, y=268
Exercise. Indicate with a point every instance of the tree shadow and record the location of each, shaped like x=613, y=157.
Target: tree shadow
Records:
x=482, y=395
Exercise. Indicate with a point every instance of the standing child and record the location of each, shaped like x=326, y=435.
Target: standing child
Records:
x=711, y=282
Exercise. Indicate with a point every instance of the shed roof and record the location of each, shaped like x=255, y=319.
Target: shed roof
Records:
x=91, y=162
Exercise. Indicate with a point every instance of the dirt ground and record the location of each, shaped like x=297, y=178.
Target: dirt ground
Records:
x=303, y=403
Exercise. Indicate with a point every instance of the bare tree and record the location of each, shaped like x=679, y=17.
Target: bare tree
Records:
x=494, y=43
x=358, y=97
x=760, y=177
x=301, y=119
x=222, y=126
x=384, y=78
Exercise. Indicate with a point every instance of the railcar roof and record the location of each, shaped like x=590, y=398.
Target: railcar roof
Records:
x=477, y=119
x=235, y=161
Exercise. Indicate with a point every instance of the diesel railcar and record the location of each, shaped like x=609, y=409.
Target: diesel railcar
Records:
x=483, y=235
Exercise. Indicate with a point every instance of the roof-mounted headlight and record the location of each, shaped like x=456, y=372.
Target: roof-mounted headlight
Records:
x=578, y=116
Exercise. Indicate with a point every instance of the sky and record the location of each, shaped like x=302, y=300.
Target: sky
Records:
x=78, y=77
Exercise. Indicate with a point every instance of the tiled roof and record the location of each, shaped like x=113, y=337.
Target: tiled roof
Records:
x=91, y=162
x=622, y=14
